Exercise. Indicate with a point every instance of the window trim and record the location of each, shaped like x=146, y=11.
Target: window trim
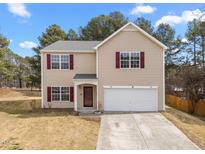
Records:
x=51, y=61
x=126, y=60
x=52, y=94
x=130, y=59
x=60, y=61
x=67, y=93
x=60, y=101
x=67, y=62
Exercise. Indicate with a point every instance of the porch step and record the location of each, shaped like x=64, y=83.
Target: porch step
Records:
x=90, y=113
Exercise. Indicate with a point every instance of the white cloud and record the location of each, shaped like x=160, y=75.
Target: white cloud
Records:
x=19, y=9
x=186, y=16
x=142, y=9
x=27, y=44
x=170, y=19
x=184, y=40
x=190, y=15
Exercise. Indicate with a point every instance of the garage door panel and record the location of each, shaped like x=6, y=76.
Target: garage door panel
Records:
x=115, y=99
x=129, y=99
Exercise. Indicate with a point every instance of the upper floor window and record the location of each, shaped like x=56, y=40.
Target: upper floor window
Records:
x=60, y=61
x=64, y=61
x=135, y=60
x=55, y=61
x=125, y=60
x=129, y=59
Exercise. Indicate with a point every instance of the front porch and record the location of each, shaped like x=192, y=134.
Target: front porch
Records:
x=85, y=92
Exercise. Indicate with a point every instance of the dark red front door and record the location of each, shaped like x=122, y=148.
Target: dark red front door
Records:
x=88, y=96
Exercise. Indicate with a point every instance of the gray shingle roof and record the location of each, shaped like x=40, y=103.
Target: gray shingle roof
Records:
x=72, y=45
x=85, y=76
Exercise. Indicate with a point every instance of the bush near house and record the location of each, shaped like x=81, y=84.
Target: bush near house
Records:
x=185, y=105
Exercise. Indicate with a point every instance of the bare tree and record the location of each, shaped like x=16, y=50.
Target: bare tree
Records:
x=192, y=79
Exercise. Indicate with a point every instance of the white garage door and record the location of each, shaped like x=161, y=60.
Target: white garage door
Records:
x=130, y=99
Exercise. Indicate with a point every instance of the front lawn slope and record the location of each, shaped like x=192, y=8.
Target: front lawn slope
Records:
x=192, y=126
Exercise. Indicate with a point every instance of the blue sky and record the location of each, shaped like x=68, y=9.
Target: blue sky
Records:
x=23, y=23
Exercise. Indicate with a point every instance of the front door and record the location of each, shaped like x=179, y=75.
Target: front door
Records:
x=88, y=96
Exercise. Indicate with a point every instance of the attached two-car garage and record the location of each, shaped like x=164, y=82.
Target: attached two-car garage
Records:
x=131, y=99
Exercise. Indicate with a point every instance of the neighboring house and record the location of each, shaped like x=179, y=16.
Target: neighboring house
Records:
x=124, y=72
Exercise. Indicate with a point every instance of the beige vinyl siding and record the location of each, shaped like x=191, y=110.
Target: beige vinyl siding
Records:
x=130, y=40
x=84, y=63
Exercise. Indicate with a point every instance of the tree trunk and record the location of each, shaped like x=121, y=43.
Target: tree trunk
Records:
x=203, y=89
x=203, y=52
x=203, y=63
x=194, y=50
x=194, y=43
x=31, y=85
x=20, y=83
x=193, y=107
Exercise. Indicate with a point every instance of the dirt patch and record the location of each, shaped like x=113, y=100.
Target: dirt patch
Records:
x=192, y=126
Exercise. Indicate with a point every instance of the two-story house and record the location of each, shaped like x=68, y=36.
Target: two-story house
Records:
x=124, y=72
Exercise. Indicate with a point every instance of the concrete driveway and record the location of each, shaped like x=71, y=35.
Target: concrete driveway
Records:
x=140, y=131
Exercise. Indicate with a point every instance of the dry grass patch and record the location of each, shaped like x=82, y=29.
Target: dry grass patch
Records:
x=7, y=94
x=192, y=126
x=24, y=126
x=51, y=130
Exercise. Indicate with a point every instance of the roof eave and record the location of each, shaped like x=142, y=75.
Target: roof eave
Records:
x=75, y=51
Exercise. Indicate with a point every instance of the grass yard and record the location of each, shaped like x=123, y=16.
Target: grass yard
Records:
x=192, y=126
x=48, y=129
x=7, y=94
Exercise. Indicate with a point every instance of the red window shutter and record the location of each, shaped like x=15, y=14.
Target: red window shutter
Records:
x=48, y=61
x=48, y=94
x=71, y=62
x=71, y=94
x=142, y=59
x=117, y=59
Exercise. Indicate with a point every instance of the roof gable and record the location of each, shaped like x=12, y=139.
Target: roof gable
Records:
x=138, y=29
x=91, y=46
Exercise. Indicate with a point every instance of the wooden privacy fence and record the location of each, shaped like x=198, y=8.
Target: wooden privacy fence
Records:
x=185, y=105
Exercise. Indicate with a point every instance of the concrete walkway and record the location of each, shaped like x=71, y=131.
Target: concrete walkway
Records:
x=140, y=131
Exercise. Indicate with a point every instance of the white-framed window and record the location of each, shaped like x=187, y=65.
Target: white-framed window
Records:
x=124, y=60
x=65, y=61
x=55, y=61
x=135, y=60
x=129, y=59
x=65, y=94
x=60, y=94
x=55, y=93
x=60, y=61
